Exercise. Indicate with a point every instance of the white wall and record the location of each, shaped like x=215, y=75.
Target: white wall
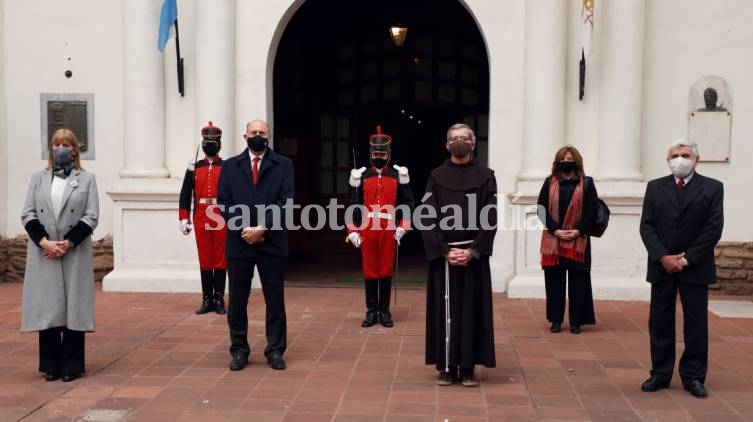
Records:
x=503, y=30
x=182, y=132
x=683, y=43
x=3, y=136
x=39, y=38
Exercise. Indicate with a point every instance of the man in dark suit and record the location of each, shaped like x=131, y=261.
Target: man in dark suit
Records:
x=252, y=190
x=681, y=223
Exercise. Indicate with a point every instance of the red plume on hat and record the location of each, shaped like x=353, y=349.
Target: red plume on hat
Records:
x=380, y=142
x=211, y=132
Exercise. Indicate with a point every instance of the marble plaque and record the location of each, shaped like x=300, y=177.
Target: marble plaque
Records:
x=711, y=131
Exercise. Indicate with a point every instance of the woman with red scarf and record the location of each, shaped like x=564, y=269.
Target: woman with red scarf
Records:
x=567, y=206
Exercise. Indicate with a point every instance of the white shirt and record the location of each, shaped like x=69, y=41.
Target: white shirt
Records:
x=58, y=188
x=260, y=157
x=687, y=178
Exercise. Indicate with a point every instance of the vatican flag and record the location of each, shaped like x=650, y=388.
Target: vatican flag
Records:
x=587, y=28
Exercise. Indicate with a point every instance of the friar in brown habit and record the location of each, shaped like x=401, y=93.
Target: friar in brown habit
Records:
x=458, y=240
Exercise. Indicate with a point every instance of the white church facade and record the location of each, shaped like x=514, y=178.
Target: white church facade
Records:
x=323, y=75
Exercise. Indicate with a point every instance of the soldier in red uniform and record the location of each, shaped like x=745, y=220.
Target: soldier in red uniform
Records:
x=200, y=189
x=388, y=200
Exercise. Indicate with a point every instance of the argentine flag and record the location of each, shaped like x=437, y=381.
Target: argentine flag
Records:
x=166, y=20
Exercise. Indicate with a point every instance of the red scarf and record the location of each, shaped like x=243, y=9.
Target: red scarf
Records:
x=552, y=248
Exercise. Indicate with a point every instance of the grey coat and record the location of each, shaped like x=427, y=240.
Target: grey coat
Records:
x=60, y=292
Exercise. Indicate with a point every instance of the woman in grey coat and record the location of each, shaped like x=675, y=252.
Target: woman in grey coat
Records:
x=59, y=215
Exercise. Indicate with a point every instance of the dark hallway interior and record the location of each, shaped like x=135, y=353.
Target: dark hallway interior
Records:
x=338, y=75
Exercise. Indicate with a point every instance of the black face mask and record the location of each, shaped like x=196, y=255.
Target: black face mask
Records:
x=379, y=162
x=258, y=143
x=210, y=148
x=566, y=166
x=460, y=149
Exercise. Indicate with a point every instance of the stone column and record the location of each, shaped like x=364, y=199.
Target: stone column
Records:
x=620, y=102
x=544, y=96
x=215, y=66
x=144, y=111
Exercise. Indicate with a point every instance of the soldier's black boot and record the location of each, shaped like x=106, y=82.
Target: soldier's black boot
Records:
x=206, y=292
x=372, y=301
x=385, y=288
x=219, y=292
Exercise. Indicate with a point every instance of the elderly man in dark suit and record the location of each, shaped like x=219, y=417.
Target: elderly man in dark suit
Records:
x=681, y=223
x=252, y=190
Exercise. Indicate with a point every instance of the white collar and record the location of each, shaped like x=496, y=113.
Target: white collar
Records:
x=686, y=178
x=260, y=157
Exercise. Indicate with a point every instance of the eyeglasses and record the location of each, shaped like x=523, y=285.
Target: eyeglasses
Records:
x=465, y=139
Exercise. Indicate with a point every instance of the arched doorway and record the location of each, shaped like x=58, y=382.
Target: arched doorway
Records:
x=337, y=74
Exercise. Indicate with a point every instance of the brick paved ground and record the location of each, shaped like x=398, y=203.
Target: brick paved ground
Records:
x=153, y=359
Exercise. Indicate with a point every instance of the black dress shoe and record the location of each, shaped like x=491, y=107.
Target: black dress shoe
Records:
x=206, y=305
x=385, y=317
x=696, y=389
x=575, y=329
x=51, y=376
x=238, y=362
x=654, y=384
x=371, y=318
x=218, y=303
x=69, y=377
x=276, y=361
x=556, y=327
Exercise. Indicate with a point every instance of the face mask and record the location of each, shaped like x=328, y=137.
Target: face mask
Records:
x=257, y=143
x=566, y=166
x=460, y=149
x=379, y=162
x=681, y=167
x=210, y=148
x=62, y=155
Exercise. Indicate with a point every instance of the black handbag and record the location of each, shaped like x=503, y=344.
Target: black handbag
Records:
x=602, y=219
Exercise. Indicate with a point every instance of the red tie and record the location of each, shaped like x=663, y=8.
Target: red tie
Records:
x=255, y=174
x=681, y=183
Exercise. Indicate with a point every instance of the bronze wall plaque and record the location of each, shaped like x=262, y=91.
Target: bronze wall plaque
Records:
x=69, y=115
x=69, y=111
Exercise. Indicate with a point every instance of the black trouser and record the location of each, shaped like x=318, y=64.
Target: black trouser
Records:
x=578, y=285
x=213, y=282
x=661, y=328
x=378, y=293
x=272, y=274
x=61, y=351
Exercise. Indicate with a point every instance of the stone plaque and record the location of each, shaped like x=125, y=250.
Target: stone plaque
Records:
x=69, y=111
x=711, y=131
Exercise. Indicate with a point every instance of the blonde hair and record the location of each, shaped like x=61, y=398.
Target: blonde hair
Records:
x=67, y=136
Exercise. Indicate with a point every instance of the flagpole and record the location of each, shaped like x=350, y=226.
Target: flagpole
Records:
x=179, y=60
x=582, y=76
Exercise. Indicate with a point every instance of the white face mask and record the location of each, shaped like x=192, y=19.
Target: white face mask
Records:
x=681, y=167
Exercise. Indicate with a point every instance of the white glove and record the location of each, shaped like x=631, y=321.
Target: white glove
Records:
x=186, y=226
x=355, y=177
x=399, y=233
x=403, y=177
x=355, y=239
